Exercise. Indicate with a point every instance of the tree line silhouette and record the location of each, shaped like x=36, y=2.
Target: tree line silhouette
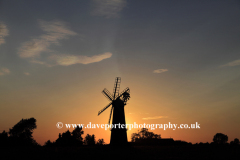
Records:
x=21, y=135
x=74, y=138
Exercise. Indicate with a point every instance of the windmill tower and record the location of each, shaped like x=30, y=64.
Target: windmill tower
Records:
x=118, y=101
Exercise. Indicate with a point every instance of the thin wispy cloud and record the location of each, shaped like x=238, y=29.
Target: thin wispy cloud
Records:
x=233, y=63
x=4, y=71
x=156, y=117
x=66, y=60
x=108, y=8
x=3, y=32
x=55, y=31
x=143, y=113
x=160, y=70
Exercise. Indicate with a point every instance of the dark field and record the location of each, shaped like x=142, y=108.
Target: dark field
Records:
x=132, y=152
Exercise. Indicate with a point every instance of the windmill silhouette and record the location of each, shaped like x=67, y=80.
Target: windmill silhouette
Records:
x=118, y=101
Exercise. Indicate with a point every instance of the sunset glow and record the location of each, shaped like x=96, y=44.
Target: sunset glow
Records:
x=180, y=59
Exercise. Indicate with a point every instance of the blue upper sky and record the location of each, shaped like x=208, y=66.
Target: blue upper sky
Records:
x=183, y=32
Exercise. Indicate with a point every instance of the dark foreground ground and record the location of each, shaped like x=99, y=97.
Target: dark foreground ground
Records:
x=133, y=152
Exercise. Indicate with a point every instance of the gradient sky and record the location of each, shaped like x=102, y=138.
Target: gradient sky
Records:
x=180, y=59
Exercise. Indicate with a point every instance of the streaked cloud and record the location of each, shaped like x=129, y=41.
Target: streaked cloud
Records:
x=55, y=31
x=108, y=8
x=160, y=70
x=66, y=60
x=3, y=32
x=233, y=63
x=143, y=113
x=37, y=61
x=26, y=73
x=156, y=117
x=4, y=71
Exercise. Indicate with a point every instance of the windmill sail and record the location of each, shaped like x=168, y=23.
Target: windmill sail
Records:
x=107, y=94
x=104, y=108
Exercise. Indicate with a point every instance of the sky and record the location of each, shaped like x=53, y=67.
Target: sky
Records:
x=180, y=59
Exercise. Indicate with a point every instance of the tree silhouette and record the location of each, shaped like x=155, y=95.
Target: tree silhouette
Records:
x=48, y=143
x=23, y=128
x=220, y=138
x=144, y=135
x=4, y=138
x=68, y=138
x=235, y=142
x=65, y=139
x=89, y=139
x=77, y=133
x=100, y=142
x=21, y=133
